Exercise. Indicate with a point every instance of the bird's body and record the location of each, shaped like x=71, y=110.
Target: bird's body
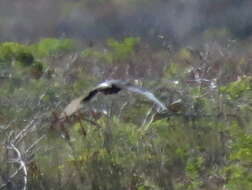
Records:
x=72, y=107
x=107, y=88
x=114, y=86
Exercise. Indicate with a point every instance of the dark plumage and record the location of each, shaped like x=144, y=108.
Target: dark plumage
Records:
x=114, y=86
x=107, y=88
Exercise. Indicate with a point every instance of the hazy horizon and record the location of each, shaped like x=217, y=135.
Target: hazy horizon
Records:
x=95, y=20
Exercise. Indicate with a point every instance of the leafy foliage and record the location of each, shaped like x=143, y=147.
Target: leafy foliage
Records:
x=11, y=51
x=238, y=88
x=120, y=142
x=51, y=46
x=118, y=51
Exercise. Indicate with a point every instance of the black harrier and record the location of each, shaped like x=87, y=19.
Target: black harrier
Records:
x=110, y=87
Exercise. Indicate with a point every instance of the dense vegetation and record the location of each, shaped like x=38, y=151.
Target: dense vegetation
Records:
x=203, y=142
x=195, y=56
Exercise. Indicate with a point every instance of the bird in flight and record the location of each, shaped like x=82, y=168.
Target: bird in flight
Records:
x=110, y=87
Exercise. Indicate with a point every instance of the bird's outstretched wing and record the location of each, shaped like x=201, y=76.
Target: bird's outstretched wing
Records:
x=147, y=94
x=106, y=87
x=90, y=95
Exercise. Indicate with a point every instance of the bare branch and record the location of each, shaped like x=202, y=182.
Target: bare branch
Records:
x=122, y=108
x=148, y=119
x=18, y=138
x=29, y=149
x=4, y=128
x=22, y=166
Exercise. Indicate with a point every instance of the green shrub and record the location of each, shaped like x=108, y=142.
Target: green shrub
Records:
x=193, y=169
x=51, y=46
x=239, y=171
x=117, y=51
x=237, y=88
x=122, y=50
x=11, y=51
x=37, y=69
x=25, y=58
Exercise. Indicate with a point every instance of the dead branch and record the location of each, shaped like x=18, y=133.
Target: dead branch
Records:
x=22, y=166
